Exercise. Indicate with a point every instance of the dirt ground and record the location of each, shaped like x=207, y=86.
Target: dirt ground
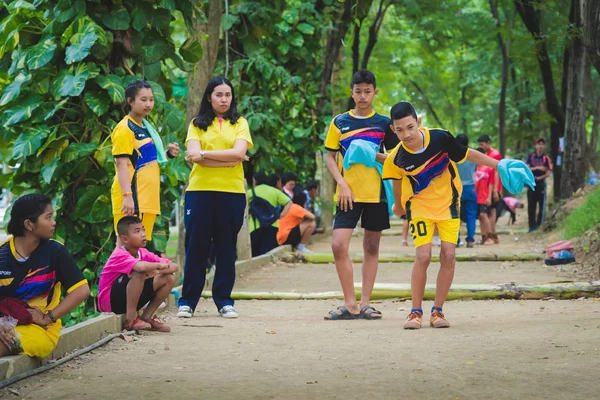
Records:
x=284, y=350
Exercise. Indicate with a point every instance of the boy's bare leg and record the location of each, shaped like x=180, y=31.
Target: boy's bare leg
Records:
x=405, y=233
x=306, y=230
x=340, y=245
x=484, y=222
x=135, y=286
x=371, y=242
x=418, y=278
x=446, y=274
x=162, y=287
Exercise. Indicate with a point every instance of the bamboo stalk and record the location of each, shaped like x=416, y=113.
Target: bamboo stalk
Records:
x=325, y=258
x=562, y=290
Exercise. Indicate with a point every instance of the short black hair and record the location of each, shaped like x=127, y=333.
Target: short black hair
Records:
x=261, y=178
x=273, y=179
x=134, y=87
x=125, y=222
x=363, y=76
x=484, y=139
x=27, y=207
x=312, y=185
x=299, y=196
x=287, y=177
x=402, y=110
x=463, y=139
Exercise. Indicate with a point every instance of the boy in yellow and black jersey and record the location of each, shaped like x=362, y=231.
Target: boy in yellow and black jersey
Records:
x=427, y=188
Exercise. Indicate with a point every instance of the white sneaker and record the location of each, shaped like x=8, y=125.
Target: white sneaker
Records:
x=436, y=241
x=185, y=312
x=228, y=312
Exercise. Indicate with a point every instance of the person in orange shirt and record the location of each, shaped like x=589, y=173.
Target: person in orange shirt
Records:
x=298, y=224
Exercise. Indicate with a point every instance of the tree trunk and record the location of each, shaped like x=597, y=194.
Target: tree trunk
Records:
x=374, y=31
x=361, y=13
x=198, y=78
x=341, y=24
x=592, y=148
x=575, y=137
x=531, y=19
x=505, y=68
x=591, y=32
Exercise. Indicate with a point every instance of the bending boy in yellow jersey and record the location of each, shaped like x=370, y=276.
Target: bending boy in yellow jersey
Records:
x=427, y=188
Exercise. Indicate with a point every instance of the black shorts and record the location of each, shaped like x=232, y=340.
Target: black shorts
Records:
x=373, y=217
x=294, y=237
x=118, y=294
x=483, y=208
x=495, y=204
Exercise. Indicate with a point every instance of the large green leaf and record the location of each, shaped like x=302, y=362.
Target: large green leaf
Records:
x=113, y=84
x=174, y=118
x=98, y=102
x=161, y=18
x=57, y=107
x=154, y=49
x=20, y=4
x=227, y=21
x=41, y=54
x=140, y=19
x=101, y=209
x=152, y=72
x=117, y=18
x=159, y=93
x=77, y=150
x=48, y=170
x=71, y=82
x=67, y=10
x=81, y=50
x=83, y=209
x=22, y=112
x=13, y=90
x=191, y=51
x=297, y=40
x=29, y=141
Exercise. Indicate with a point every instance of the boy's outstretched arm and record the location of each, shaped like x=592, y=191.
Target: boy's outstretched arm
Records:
x=481, y=159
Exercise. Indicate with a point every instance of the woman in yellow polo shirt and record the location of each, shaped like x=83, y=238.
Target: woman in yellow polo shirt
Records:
x=217, y=141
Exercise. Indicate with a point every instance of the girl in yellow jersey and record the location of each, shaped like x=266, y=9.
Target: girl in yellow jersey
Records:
x=138, y=151
x=217, y=141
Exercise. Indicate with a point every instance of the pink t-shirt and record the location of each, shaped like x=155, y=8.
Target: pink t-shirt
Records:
x=511, y=202
x=120, y=262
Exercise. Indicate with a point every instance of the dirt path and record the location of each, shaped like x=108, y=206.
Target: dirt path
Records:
x=284, y=350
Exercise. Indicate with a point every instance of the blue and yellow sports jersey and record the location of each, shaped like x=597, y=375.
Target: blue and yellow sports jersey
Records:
x=431, y=186
x=134, y=142
x=39, y=279
x=365, y=182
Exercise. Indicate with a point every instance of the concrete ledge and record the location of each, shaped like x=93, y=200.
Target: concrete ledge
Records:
x=71, y=338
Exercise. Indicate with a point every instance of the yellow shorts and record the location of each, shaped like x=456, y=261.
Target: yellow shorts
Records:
x=147, y=220
x=422, y=230
x=37, y=341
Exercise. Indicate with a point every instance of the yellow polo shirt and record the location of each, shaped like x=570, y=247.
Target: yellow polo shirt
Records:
x=219, y=136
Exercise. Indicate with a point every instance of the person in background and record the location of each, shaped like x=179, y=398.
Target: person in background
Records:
x=486, y=144
x=215, y=199
x=468, y=199
x=297, y=225
x=35, y=272
x=509, y=204
x=138, y=152
x=483, y=188
x=288, y=180
x=275, y=181
x=541, y=166
x=264, y=238
x=312, y=195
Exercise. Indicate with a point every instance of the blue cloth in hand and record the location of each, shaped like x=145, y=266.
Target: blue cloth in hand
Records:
x=515, y=174
x=365, y=153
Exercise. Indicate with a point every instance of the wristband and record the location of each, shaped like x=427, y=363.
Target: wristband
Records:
x=127, y=194
x=50, y=315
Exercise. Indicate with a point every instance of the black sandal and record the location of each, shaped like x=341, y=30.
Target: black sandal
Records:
x=367, y=313
x=345, y=315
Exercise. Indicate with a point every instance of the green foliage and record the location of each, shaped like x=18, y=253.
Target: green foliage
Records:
x=276, y=65
x=584, y=217
x=65, y=68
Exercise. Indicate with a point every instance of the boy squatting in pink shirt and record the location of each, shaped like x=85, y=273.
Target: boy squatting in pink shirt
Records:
x=133, y=276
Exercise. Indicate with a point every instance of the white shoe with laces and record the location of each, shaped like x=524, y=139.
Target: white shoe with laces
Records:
x=228, y=312
x=185, y=312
